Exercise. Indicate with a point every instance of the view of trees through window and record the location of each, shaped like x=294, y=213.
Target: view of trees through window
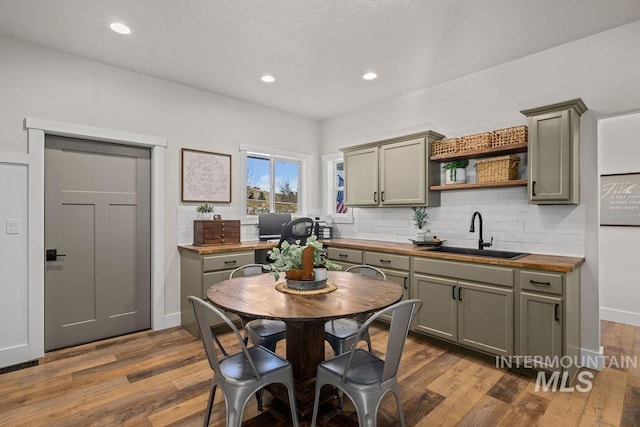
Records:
x=272, y=185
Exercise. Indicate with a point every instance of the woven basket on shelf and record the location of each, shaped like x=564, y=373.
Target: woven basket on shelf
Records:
x=509, y=136
x=444, y=146
x=477, y=141
x=497, y=169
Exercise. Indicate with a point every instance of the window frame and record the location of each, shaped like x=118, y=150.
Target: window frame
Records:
x=330, y=162
x=274, y=155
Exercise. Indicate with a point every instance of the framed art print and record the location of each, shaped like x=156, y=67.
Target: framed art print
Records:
x=620, y=199
x=206, y=176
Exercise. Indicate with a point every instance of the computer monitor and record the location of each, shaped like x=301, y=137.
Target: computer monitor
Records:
x=270, y=225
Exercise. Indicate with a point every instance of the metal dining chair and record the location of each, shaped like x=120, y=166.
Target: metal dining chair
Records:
x=364, y=377
x=340, y=333
x=262, y=332
x=239, y=375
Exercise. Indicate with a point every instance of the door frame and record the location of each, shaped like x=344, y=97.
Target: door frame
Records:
x=37, y=129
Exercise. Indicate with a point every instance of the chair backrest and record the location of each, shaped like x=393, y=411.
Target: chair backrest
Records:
x=402, y=314
x=204, y=315
x=367, y=270
x=298, y=229
x=247, y=270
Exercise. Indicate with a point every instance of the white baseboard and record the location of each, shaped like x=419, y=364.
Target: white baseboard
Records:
x=14, y=355
x=620, y=316
x=171, y=320
x=592, y=359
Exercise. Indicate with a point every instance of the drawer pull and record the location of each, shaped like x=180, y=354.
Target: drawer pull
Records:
x=385, y=261
x=343, y=255
x=230, y=262
x=535, y=282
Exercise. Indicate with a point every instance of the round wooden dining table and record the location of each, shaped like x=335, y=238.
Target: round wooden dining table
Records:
x=252, y=297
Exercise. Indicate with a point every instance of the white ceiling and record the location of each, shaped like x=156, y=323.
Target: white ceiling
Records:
x=316, y=49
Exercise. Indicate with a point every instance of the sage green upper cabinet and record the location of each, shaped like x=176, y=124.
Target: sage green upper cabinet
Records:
x=361, y=177
x=554, y=152
x=393, y=172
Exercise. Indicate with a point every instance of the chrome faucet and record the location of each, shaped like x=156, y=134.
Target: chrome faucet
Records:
x=481, y=243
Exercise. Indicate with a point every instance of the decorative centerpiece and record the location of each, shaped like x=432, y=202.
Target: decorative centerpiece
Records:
x=305, y=266
x=420, y=216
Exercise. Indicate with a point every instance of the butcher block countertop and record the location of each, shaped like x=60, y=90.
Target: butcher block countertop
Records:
x=230, y=247
x=557, y=263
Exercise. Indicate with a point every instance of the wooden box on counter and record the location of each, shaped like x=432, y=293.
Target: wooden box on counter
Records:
x=216, y=232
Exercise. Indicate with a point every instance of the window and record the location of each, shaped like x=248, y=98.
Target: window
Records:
x=272, y=184
x=333, y=184
x=339, y=208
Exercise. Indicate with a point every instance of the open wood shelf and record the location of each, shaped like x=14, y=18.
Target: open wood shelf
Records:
x=512, y=183
x=485, y=152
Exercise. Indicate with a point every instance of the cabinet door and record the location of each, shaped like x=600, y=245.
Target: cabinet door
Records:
x=550, y=161
x=403, y=178
x=438, y=316
x=361, y=177
x=485, y=318
x=210, y=279
x=402, y=279
x=541, y=327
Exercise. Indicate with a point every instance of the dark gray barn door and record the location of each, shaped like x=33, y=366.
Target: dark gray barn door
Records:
x=98, y=220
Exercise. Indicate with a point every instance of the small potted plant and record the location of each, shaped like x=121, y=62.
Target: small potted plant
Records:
x=288, y=259
x=455, y=172
x=420, y=216
x=205, y=211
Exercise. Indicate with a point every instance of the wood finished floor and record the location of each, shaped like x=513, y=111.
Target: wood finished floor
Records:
x=162, y=379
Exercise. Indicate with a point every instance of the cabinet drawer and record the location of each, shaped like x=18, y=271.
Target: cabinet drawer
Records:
x=380, y=259
x=541, y=282
x=227, y=261
x=345, y=255
x=464, y=270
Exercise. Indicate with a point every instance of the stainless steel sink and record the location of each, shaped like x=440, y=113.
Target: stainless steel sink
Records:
x=480, y=252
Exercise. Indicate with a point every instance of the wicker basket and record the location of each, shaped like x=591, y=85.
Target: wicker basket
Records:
x=497, y=169
x=477, y=141
x=509, y=136
x=444, y=146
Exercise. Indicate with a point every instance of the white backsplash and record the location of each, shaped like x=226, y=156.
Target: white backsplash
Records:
x=513, y=223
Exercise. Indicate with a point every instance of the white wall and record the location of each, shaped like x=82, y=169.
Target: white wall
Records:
x=13, y=259
x=620, y=246
x=49, y=85
x=601, y=69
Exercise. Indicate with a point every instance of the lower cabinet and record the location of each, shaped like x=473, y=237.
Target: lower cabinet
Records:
x=541, y=328
x=199, y=272
x=475, y=315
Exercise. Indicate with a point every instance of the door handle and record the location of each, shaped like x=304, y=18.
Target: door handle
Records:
x=555, y=314
x=533, y=188
x=453, y=293
x=459, y=293
x=382, y=196
x=375, y=197
x=52, y=255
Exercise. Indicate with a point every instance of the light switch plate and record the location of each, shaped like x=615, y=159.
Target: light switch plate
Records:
x=13, y=226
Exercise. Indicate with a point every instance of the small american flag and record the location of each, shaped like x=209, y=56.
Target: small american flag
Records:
x=340, y=207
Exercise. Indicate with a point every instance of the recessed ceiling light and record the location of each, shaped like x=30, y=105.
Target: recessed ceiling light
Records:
x=268, y=78
x=120, y=28
x=369, y=76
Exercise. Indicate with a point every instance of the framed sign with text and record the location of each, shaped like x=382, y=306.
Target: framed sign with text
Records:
x=620, y=199
x=206, y=176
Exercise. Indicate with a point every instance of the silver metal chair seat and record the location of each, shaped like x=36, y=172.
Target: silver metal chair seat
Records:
x=262, y=332
x=340, y=333
x=363, y=376
x=240, y=375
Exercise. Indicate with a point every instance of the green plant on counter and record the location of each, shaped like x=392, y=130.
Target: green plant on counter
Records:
x=420, y=216
x=289, y=256
x=456, y=164
x=204, y=208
